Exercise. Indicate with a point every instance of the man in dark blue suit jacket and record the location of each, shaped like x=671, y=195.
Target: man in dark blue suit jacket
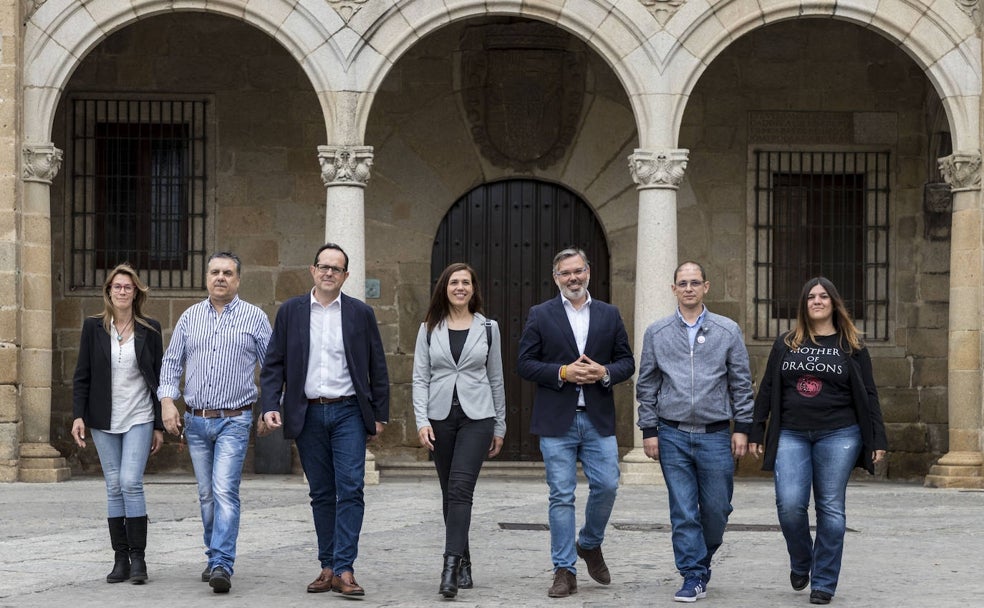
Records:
x=326, y=367
x=576, y=350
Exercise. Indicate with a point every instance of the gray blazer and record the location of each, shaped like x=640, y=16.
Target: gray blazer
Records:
x=478, y=376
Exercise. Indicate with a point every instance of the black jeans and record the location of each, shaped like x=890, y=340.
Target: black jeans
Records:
x=460, y=447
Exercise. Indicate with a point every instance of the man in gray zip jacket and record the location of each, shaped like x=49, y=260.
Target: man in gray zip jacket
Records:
x=693, y=381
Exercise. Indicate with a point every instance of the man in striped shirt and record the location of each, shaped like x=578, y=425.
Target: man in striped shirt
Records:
x=217, y=344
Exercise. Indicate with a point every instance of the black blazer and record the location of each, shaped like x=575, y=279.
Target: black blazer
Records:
x=92, y=387
x=548, y=343
x=768, y=406
x=285, y=366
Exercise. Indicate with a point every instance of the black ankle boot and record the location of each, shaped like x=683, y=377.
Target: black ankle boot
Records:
x=117, y=536
x=464, y=574
x=136, y=535
x=449, y=576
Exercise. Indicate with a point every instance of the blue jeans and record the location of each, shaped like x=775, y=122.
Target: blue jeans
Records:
x=599, y=460
x=822, y=460
x=332, y=448
x=218, y=448
x=123, y=457
x=699, y=472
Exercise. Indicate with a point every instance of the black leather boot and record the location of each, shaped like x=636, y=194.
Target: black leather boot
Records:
x=449, y=576
x=136, y=535
x=117, y=536
x=464, y=572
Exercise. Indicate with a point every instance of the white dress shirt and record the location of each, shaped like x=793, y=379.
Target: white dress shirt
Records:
x=328, y=372
x=580, y=320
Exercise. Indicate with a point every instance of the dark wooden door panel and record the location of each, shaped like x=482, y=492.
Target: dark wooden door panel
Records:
x=509, y=232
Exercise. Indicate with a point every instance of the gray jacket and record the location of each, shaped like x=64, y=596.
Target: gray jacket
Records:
x=694, y=387
x=477, y=374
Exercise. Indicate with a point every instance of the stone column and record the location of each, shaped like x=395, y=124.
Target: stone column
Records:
x=657, y=174
x=39, y=462
x=345, y=171
x=961, y=466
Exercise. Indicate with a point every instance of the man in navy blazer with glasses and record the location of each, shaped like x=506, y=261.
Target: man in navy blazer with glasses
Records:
x=576, y=350
x=325, y=363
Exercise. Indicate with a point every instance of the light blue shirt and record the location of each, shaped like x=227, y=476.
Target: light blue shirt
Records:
x=693, y=329
x=218, y=355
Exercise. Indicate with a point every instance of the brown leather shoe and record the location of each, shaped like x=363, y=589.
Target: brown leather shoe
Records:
x=322, y=583
x=597, y=569
x=346, y=585
x=565, y=583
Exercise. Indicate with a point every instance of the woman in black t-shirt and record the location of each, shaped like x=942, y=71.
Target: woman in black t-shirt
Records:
x=819, y=397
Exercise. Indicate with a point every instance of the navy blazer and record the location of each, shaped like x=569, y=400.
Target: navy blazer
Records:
x=92, y=386
x=548, y=343
x=285, y=366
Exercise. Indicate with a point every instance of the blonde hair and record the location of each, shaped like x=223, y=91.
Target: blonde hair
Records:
x=139, y=297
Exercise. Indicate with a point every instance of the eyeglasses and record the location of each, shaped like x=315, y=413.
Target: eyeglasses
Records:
x=325, y=269
x=691, y=284
x=117, y=288
x=566, y=274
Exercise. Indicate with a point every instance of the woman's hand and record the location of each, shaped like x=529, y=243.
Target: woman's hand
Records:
x=426, y=437
x=78, y=432
x=755, y=449
x=157, y=441
x=496, y=447
x=877, y=456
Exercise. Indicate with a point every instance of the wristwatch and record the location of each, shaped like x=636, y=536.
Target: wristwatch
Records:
x=607, y=378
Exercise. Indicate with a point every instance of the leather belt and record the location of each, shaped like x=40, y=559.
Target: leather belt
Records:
x=327, y=400
x=219, y=413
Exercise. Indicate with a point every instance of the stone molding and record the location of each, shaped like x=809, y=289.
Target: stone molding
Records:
x=346, y=9
x=973, y=10
x=962, y=171
x=41, y=162
x=662, y=10
x=658, y=169
x=345, y=165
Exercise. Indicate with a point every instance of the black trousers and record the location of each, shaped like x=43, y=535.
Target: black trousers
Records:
x=460, y=447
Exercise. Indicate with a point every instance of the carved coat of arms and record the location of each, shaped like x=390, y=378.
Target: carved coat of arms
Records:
x=523, y=90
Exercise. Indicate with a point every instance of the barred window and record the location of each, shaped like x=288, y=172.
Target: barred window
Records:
x=137, y=190
x=821, y=213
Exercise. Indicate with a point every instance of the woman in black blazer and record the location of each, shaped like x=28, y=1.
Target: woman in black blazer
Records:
x=819, y=399
x=115, y=396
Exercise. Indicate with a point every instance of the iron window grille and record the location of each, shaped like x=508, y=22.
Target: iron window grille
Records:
x=821, y=213
x=137, y=190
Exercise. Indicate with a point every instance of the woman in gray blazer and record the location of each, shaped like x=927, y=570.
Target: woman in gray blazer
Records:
x=460, y=405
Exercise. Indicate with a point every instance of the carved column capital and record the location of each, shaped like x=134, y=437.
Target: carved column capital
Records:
x=658, y=169
x=345, y=165
x=41, y=162
x=962, y=171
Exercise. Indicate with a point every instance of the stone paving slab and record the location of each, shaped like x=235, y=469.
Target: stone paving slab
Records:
x=909, y=546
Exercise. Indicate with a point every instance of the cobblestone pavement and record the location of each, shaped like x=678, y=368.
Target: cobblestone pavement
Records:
x=908, y=546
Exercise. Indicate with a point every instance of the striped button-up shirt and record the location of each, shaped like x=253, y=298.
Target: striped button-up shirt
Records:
x=218, y=354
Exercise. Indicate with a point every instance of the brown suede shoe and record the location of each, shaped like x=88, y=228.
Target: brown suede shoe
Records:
x=346, y=585
x=597, y=569
x=322, y=583
x=565, y=583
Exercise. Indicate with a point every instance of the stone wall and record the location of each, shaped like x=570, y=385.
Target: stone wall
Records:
x=826, y=66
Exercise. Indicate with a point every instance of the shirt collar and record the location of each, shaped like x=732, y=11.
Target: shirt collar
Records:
x=570, y=305
x=231, y=306
x=336, y=302
x=698, y=322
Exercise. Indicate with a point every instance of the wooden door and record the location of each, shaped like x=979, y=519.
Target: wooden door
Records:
x=509, y=232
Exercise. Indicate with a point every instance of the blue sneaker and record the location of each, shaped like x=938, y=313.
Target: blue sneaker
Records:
x=693, y=589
